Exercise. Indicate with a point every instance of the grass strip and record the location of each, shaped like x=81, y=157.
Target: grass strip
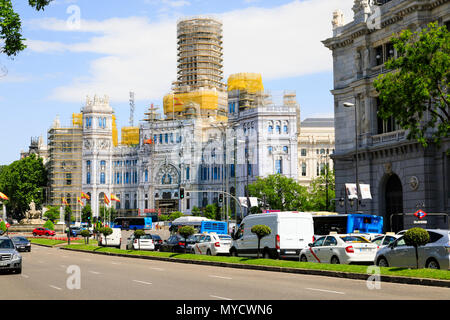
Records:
x=51, y=242
x=360, y=269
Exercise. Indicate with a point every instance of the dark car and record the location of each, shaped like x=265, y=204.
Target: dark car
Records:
x=157, y=241
x=175, y=243
x=43, y=232
x=21, y=243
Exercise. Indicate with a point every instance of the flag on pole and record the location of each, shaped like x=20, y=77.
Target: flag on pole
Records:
x=114, y=198
x=105, y=199
x=64, y=202
x=85, y=196
x=79, y=201
x=3, y=196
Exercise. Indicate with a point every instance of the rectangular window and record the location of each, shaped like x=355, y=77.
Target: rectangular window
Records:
x=303, y=169
x=303, y=151
x=88, y=178
x=379, y=55
x=188, y=173
x=278, y=167
x=102, y=178
x=188, y=204
x=232, y=171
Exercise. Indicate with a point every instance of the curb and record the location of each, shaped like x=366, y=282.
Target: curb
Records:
x=326, y=273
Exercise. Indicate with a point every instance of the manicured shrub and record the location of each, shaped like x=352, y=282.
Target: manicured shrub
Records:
x=416, y=237
x=49, y=225
x=261, y=231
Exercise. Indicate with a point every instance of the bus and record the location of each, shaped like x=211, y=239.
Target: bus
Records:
x=219, y=227
x=195, y=222
x=133, y=223
x=347, y=223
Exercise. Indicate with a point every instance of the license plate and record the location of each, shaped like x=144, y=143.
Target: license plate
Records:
x=291, y=252
x=4, y=264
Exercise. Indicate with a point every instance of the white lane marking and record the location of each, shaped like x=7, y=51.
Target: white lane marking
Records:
x=220, y=277
x=217, y=297
x=115, y=262
x=55, y=287
x=157, y=269
x=25, y=276
x=322, y=290
x=63, y=266
x=143, y=282
x=87, y=259
x=94, y=272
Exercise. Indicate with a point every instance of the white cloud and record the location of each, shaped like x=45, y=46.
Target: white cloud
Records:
x=140, y=54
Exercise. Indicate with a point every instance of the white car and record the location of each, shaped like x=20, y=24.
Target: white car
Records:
x=144, y=243
x=213, y=244
x=340, y=249
x=384, y=240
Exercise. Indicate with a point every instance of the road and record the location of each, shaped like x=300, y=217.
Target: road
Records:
x=45, y=276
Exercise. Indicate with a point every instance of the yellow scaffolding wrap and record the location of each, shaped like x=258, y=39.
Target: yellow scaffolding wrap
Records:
x=130, y=136
x=77, y=119
x=207, y=100
x=250, y=82
x=115, y=134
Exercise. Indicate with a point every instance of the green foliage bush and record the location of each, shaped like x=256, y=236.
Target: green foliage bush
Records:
x=261, y=231
x=49, y=225
x=139, y=233
x=3, y=226
x=416, y=237
x=186, y=231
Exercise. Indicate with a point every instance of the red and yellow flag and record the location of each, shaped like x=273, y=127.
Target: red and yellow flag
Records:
x=105, y=199
x=3, y=196
x=64, y=202
x=179, y=102
x=79, y=201
x=85, y=196
x=114, y=198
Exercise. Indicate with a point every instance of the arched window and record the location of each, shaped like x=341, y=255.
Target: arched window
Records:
x=285, y=149
x=278, y=128
x=285, y=129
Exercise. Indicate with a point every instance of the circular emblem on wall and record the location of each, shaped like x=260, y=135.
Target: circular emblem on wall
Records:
x=414, y=183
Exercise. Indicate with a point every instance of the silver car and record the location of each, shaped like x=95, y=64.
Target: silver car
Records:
x=434, y=255
x=10, y=258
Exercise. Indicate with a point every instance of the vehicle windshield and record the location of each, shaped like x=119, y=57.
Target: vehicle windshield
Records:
x=147, y=236
x=354, y=239
x=6, y=244
x=18, y=239
x=224, y=237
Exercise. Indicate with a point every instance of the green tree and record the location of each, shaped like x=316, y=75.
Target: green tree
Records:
x=175, y=215
x=281, y=193
x=416, y=237
x=186, y=232
x=86, y=214
x=106, y=232
x=318, y=192
x=211, y=212
x=49, y=225
x=11, y=26
x=2, y=227
x=23, y=181
x=416, y=93
x=52, y=214
x=163, y=217
x=138, y=234
x=85, y=234
x=261, y=231
x=68, y=216
x=196, y=212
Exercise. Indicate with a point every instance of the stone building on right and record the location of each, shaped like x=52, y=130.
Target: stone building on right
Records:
x=403, y=176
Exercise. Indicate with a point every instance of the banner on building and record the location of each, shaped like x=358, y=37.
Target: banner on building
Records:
x=365, y=191
x=352, y=191
x=253, y=202
x=243, y=201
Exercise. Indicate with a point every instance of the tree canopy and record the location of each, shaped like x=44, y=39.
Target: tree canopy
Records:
x=11, y=26
x=416, y=92
x=23, y=182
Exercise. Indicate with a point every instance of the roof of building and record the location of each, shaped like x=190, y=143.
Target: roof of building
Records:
x=318, y=122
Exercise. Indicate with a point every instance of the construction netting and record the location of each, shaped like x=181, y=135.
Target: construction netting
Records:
x=115, y=134
x=250, y=82
x=130, y=136
x=77, y=119
x=178, y=102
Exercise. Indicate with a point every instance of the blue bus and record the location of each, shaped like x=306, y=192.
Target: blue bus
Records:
x=347, y=223
x=219, y=227
x=133, y=223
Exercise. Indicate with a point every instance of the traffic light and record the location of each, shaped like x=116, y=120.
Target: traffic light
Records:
x=181, y=193
x=221, y=197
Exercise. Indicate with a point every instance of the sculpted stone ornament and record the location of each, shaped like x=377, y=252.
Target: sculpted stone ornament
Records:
x=33, y=216
x=414, y=183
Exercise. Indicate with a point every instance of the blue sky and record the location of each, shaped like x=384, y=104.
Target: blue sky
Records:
x=120, y=46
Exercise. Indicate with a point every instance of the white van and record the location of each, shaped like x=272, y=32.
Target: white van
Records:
x=113, y=240
x=291, y=232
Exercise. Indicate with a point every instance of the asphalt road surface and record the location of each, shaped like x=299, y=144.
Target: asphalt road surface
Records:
x=45, y=276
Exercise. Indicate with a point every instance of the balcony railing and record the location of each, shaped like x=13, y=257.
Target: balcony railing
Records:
x=388, y=137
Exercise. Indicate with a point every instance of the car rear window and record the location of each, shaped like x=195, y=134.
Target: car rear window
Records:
x=147, y=236
x=354, y=239
x=434, y=236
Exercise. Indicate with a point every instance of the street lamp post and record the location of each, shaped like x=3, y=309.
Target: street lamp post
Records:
x=352, y=105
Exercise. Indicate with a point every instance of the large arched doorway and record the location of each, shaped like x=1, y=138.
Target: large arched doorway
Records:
x=394, y=204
